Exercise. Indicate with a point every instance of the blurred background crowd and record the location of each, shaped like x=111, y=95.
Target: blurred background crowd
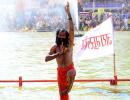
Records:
x=44, y=15
x=93, y=12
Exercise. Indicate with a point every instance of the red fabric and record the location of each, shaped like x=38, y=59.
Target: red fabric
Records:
x=62, y=80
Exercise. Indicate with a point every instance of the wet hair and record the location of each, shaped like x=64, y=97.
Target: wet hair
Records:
x=59, y=40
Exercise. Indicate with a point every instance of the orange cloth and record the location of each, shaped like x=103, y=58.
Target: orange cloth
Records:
x=62, y=80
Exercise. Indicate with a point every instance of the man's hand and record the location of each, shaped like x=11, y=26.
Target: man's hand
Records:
x=61, y=51
x=67, y=8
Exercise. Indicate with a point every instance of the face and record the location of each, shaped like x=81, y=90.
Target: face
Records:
x=62, y=38
x=62, y=35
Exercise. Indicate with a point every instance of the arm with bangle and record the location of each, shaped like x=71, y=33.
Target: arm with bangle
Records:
x=71, y=27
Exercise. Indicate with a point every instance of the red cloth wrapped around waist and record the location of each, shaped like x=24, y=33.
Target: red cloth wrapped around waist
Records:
x=62, y=74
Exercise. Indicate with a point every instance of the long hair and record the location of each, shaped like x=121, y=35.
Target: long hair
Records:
x=65, y=41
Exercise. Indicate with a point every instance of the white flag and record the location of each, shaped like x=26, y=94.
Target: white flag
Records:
x=97, y=42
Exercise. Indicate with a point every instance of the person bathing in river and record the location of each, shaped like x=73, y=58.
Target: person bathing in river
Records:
x=62, y=51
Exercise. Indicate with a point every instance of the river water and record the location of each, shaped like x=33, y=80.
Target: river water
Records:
x=22, y=54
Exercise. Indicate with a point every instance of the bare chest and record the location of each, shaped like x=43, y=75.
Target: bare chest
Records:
x=65, y=58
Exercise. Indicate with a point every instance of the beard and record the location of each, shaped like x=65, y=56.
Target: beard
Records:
x=61, y=41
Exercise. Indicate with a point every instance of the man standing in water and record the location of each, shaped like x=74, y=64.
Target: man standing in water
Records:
x=63, y=52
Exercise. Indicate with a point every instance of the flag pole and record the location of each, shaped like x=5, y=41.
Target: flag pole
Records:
x=114, y=62
x=115, y=75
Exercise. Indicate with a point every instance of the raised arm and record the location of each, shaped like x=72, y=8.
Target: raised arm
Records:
x=71, y=27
